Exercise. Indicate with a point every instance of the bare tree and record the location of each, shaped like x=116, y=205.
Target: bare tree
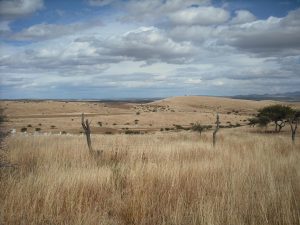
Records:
x=216, y=130
x=293, y=120
x=87, y=130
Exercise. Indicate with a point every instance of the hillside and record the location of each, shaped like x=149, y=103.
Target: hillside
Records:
x=116, y=117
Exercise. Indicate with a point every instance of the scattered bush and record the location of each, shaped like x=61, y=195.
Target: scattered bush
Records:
x=132, y=132
x=38, y=129
x=23, y=129
x=178, y=127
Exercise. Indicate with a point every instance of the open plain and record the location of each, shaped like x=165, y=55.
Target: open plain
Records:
x=160, y=176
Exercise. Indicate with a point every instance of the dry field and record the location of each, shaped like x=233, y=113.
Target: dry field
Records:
x=162, y=178
x=55, y=117
x=167, y=178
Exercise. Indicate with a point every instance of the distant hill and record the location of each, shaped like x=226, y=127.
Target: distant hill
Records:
x=288, y=96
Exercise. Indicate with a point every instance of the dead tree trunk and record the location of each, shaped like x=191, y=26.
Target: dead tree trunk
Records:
x=293, y=125
x=87, y=130
x=216, y=130
x=96, y=154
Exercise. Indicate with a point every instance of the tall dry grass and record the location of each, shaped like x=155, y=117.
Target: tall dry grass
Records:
x=166, y=179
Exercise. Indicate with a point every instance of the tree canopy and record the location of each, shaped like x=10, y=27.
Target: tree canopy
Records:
x=279, y=114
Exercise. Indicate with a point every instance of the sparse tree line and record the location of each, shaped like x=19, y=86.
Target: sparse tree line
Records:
x=280, y=115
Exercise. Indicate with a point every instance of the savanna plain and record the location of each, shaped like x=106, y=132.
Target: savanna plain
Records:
x=153, y=169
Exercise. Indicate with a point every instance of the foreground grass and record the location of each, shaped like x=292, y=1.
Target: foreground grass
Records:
x=152, y=179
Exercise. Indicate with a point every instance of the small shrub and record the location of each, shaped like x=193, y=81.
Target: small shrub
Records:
x=23, y=129
x=132, y=132
x=138, y=113
x=161, y=129
x=40, y=124
x=29, y=125
x=100, y=124
x=136, y=121
x=63, y=132
x=108, y=132
x=52, y=127
x=38, y=129
x=178, y=127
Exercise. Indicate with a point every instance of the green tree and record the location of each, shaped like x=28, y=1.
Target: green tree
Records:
x=275, y=113
x=200, y=128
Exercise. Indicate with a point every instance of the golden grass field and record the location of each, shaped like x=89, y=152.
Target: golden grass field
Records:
x=169, y=178
x=55, y=117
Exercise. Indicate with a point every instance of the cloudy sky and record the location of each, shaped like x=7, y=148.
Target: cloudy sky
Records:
x=148, y=48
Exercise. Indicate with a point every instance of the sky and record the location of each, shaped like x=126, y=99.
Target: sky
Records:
x=99, y=49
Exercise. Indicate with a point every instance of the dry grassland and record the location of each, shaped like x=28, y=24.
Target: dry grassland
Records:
x=162, y=178
x=55, y=117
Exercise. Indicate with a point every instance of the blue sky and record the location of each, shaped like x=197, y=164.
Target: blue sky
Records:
x=148, y=48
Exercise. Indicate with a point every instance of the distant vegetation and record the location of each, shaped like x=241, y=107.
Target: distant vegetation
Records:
x=280, y=115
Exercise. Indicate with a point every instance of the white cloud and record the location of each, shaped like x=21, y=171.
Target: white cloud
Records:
x=155, y=10
x=183, y=46
x=242, y=16
x=100, y=2
x=46, y=31
x=273, y=35
x=148, y=44
x=279, y=36
x=200, y=16
x=12, y=9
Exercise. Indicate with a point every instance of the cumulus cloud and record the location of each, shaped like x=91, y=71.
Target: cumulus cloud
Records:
x=12, y=9
x=273, y=35
x=46, y=31
x=155, y=10
x=200, y=16
x=242, y=16
x=151, y=44
x=170, y=45
x=147, y=44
